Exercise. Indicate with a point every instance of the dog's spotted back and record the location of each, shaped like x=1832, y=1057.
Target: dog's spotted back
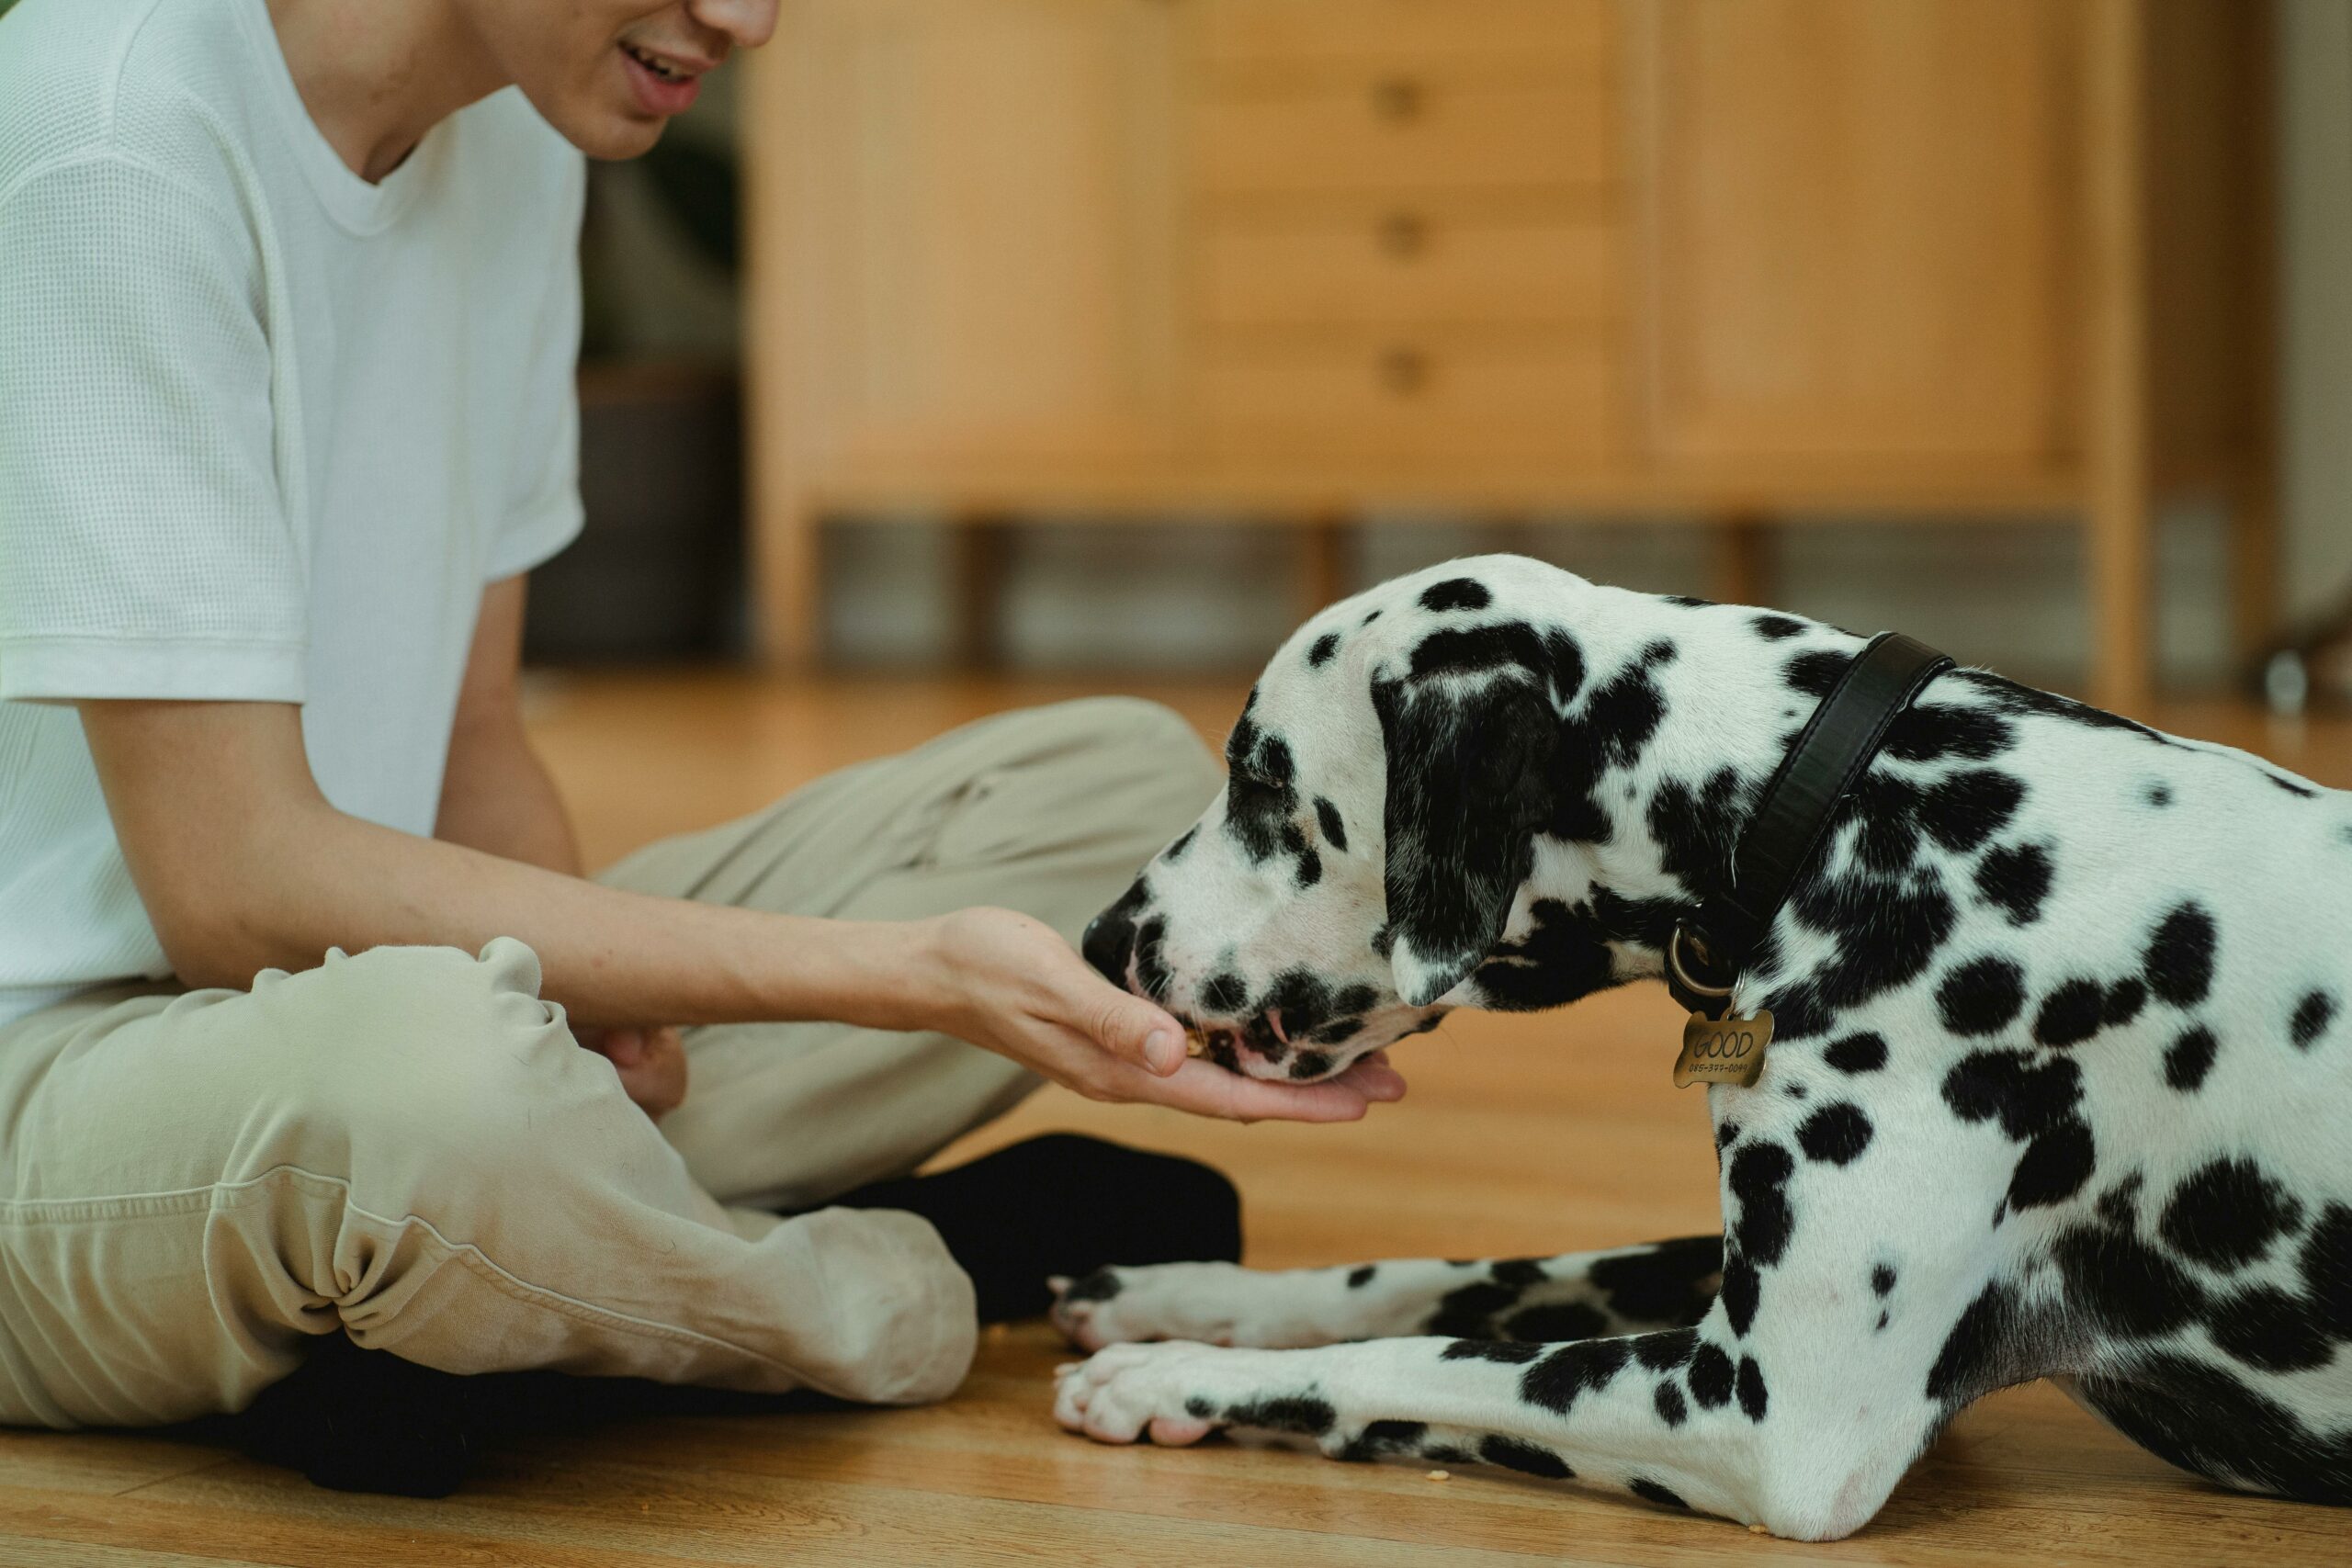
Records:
x=2059, y=1083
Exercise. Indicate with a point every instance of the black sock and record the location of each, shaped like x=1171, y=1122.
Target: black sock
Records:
x=360, y=1420
x=1064, y=1204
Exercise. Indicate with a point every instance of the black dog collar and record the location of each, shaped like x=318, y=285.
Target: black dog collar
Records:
x=1708, y=950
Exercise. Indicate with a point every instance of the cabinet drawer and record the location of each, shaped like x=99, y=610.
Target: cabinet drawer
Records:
x=1407, y=398
x=1275, y=35
x=1405, y=132
x=1403, y=266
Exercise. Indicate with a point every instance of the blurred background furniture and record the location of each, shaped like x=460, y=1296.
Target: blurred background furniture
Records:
x=1744, y=260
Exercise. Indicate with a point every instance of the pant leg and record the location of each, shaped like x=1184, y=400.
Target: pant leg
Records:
x=408, y=1145
x=1048, y=810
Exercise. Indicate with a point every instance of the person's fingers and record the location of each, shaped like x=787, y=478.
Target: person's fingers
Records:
x=1206, y=1089
x=623, y=1047
x=1132, y=1029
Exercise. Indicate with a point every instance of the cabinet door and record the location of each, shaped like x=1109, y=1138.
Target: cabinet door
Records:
x=964, y=213
x=1857, y=227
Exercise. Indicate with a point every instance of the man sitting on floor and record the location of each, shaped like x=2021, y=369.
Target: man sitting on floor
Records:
x=297, y=962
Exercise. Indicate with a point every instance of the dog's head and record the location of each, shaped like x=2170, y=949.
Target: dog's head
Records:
x=1401, y=767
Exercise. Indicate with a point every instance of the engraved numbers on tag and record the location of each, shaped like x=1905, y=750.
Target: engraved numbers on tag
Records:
x=1729, y=1050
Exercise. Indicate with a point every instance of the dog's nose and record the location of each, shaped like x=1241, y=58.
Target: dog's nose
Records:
x=1110, y=940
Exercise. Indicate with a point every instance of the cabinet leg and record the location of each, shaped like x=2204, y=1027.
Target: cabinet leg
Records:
x=980, y=546
x=1742, y=569
x=1322, y=563
x=787, y=595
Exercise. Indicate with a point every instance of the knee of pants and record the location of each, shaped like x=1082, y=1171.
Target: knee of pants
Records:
x=417, y=1052
x=1146, y=744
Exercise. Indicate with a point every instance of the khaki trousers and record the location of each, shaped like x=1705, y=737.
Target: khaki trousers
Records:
x=407, y=1142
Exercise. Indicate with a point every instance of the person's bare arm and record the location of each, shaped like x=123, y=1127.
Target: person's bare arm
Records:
x=243, y=866
x=496, y=795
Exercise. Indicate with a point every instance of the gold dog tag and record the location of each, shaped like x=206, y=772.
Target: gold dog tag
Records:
x=1729, y=1050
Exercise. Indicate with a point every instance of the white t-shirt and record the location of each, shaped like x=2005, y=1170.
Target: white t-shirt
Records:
x=266, y=429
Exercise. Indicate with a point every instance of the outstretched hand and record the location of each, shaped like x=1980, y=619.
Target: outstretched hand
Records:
x=1010, y=984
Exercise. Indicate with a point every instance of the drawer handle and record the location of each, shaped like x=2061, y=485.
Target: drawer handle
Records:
x=1404, y=371
x=1400, y=99
x=1404, y=235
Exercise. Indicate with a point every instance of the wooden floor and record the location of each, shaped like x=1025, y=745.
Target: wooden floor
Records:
x=1520, y=1136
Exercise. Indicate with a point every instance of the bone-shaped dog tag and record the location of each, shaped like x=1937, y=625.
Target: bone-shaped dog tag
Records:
x=1729, y=1050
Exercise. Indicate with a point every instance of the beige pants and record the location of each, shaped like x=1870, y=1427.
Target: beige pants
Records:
x=408, y=1145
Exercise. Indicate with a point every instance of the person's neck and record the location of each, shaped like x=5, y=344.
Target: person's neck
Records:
x=376, y=78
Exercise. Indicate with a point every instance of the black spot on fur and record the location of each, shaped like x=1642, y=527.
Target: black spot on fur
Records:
x=1563, y=955
x=2267, y=1327
x=1711, y=1377
x=1456, y=593
x=2029, y=1098
x=2157, y=794
x=1695, y=831
x=2053, y=1167
x=1935, y=732
x=1981, y=997
x=1665, y=1283
x=1817, y=674
x=2312, y=1015
x=1358, y=1278
x=2012, y=698
x=1319, y=654
x=2014, y=879
x=2124, y=1000
x=1327, y=816
x=1369, y=619
x=1758, y=1172
x=1175, y=852
x=1556, y=1321
x=1649, y=1491
x=2120, y=1204
x=2180, y=962
x=2189, y=1058
x=1742, y=1287
x=1381, y=1438
x=1886, y=934
x=2295, y=787
x=1726, y=1134
x=2199, y=1416
x=1671, y=1407
x=1882, y=1281
x=2226, y=1213
x=1962, y=811
x=1837, y=1133
x=1510, y=1353
x=1752, y=1396
x=2070, y=1014
x=1310, y=868
x=2124, y=1286
x=1777, y=629
x=1308, y=1066
x=1099, y=1286
x=1863, y=1052
x=1529, y=1458
x=1979, y=1340
x=2325, y=1264
x=1583, y=1366
x=1301, y=1413
x=1666, y=1348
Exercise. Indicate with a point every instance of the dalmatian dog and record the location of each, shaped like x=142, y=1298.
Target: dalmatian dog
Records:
x=2061, y=1085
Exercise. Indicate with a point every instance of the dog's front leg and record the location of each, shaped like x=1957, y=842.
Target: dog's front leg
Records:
x=1796, y=1437
x=1578, y=1295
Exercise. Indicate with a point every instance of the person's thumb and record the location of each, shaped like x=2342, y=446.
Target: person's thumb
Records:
x=625, y=1047
x=1130, y=1027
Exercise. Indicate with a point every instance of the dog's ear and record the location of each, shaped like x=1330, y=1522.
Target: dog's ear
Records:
x=1468, y=771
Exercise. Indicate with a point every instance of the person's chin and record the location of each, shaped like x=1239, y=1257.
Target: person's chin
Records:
x=611, y=133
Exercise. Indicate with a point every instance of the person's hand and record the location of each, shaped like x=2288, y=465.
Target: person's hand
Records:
x=652, y=1062
x=1008, y=983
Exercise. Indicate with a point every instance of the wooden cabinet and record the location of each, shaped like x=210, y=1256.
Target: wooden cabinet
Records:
x=1736, y=259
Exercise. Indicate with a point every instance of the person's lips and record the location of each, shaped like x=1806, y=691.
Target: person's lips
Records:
x=665, y=84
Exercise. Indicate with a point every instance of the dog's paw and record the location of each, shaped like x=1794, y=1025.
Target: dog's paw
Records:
x=1174, y=1393
x=1216, y=1304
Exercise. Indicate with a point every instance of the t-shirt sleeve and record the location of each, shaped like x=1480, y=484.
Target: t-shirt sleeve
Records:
x=546, y=514
x=145, y=546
